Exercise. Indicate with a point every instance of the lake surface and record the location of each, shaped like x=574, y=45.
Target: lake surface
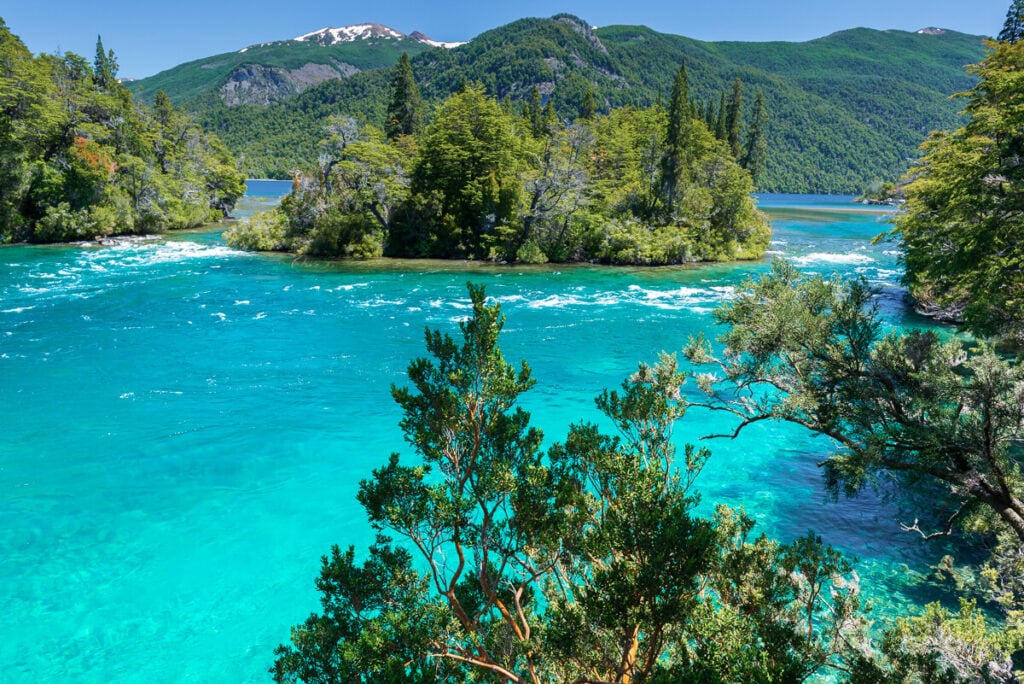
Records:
x=184, y=427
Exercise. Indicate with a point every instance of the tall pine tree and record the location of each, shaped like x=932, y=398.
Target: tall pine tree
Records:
x=721, y=122
x=677, y=139
x=734, y=117
x=755, y=149
x=588, y=107
x=1013, y=29
x=105, y=66
x=405, y=111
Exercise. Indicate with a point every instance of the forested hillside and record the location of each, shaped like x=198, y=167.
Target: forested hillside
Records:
x=284, y=68
x=844, y=110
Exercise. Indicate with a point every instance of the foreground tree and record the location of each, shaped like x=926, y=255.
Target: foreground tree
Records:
x=584, y=565
x=963, y=221
x=902, y=406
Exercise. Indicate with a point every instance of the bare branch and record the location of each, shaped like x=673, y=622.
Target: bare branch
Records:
x=941, y=533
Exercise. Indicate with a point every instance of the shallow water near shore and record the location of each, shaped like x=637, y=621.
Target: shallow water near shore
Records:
x=185, y=427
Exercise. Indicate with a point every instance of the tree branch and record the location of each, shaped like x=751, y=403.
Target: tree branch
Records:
x=941, y=533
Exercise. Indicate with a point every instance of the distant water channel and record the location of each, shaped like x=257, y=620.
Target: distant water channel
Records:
x=184, y=427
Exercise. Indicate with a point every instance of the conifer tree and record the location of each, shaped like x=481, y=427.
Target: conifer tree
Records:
x=1013, y=29
x=105, y=66
x=677, y=135
x=405, y=111
x=550, y=116
x=535, y=113
x=721, y=122
x=734, y=117
x=589, y=107
x=755, y=149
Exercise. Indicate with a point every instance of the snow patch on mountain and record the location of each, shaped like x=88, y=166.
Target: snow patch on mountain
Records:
x=416, y=35
x=348, y=34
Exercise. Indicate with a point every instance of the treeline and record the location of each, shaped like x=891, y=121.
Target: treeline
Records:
x=846, y=109
x=484, y=181
x=80, y=158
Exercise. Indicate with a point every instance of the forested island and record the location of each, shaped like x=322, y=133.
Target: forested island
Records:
x=80, y=158
x=636, y=186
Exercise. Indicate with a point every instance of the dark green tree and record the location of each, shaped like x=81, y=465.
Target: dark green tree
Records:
x=588, y=108
x=755, y=148
x=104, y=66
x=721, y=129
x=465, y=177
x=1013, y=28
x=734, y=118
x=534, y=113
x=405, y=109
x=677, y=140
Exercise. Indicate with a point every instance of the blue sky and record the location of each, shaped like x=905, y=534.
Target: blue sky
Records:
x=148, y=37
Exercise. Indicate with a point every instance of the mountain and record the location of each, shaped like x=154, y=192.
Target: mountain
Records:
x=349, y=34
x=845, y=110
x=275, y=71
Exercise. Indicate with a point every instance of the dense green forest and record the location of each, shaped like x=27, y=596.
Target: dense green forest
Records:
x=634, y=186
x=80, y=158
x=847, y=109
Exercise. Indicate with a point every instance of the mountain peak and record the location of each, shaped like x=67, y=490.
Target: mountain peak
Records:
x=416, y=35
x=349, y=34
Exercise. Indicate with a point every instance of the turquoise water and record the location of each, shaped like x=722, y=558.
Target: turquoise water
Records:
x=184, y=427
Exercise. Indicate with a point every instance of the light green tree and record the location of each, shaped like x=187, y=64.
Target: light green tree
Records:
x=963, y=220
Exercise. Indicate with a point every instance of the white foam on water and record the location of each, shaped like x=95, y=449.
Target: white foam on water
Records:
x=241, y=302
x=379, y=302
x=221, y=315
x=260, y=316
x=509, y=299
x=676, y=299
x=18, y=309
x=89, y=269
x=832, y=258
